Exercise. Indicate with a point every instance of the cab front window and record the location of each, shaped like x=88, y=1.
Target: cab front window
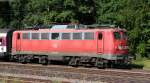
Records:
x=117, y=35
x=124, y=35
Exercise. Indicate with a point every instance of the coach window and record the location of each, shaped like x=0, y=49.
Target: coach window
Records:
x=100, y=36
x=44, y=36
x=35, y=35
x=77, y=36
x=55, y=36
x=66, y=36
x=0, y=41
x=88, y=35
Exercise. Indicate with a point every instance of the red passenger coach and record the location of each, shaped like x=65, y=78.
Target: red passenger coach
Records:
x=3, y=33
x=2, y=45
x=98, y=47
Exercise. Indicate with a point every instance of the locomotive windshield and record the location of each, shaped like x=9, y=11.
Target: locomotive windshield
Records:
x=124, y=35
x=120, y=35
x=117, y=35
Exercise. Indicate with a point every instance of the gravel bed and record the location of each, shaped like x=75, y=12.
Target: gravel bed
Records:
x=76, y=75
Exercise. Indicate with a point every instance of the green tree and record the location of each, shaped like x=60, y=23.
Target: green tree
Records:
x=60, y=11
x=18, y=12
x=134, y=15
x=4, y=14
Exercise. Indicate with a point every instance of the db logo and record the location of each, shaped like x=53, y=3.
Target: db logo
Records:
x=55, y=46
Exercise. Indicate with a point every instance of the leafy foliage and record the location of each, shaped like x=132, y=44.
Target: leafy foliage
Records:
x=134, y=15
x=130, y=14
x=4, y=14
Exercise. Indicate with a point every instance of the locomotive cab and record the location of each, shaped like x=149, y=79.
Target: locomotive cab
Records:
x=120, y=47
x=112, y=46
x=120, y=42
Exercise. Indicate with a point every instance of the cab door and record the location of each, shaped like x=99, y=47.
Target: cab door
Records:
x=100, y=42
x=18, y=42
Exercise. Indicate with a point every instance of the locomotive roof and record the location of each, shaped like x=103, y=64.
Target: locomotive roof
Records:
x=72, y=30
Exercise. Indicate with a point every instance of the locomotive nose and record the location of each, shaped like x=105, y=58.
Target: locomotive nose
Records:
x=122, y=45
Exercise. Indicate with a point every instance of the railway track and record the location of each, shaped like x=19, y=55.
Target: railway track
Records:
x=71, y=74
x=11, y=79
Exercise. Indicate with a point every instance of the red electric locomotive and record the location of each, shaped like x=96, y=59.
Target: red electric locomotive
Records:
x=101, y=47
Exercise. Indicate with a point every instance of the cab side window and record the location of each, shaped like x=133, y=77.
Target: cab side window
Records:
x=55, y=36
x=35, y=36
x=66, y=36
x=89, y=36
x=77, y=36
x=44, y=36
x=124, y=35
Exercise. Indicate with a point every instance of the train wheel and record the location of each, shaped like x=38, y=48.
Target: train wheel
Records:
x=110, y=64
x=14, y=58
x=66, y=60
x=93, y=61
x=11, y=58
x=74, y=62
x=100, y=64
x=22, y=59
x=44, y=60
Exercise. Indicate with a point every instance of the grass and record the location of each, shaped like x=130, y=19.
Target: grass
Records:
x=143, y=64
x=6, y=80
x=147, y=64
